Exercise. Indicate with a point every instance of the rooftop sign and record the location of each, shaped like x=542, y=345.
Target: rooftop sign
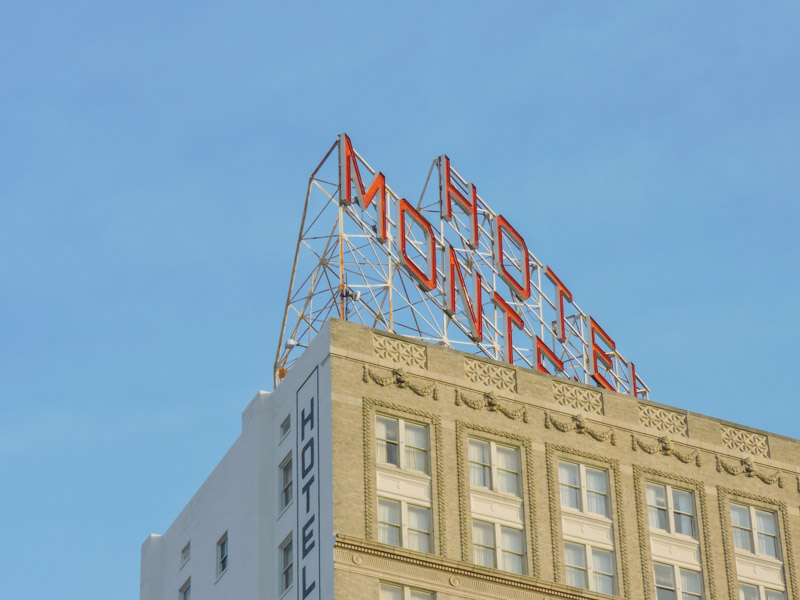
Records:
x=445, y=269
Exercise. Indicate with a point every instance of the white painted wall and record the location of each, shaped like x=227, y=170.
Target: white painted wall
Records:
x=241, y=496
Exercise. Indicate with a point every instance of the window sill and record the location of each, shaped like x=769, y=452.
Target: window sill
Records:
x=284, y=509
x=220, y=576
x=390, y=468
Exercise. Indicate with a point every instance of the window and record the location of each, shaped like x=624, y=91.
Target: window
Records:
x=675, y=583
x=286, y=482
x=754, y=592
x=286, y=425
x=398, y=592
x=185, y=593
x=589, y=568
x=583, y=488
x=404, y=524
x=494, y=467
x=287, y=560
x=222, y=554
x=402, y=443
x=509, y=554
x=671, y=510
x=186, y=553
x=754, y=530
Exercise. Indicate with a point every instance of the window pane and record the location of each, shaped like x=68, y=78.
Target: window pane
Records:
x=767, y=545
x=576, y=577
x=417, y=436
x=742, y=540
x=513, y=563
x=508, y=459
x=603, y=583
x=574, y=555
x=691, y=582
x=596, y=481
x=665, y=576
x=684, y=524
x=479, y=452
x=483, y=556
x=665, y=594
x=569, y=474
x=419, y=540
x=596, y=503
x=507, y=482
x=740, y=516
x=748, y=592
x=570, y=497
x=387, y=429
x=479, y=475
x=656, y=495
x=387, y=453
x=416, y=459
x=682, y=502
x=483, y=533
x=389, y=534
x=773, y=595
x=389, y=511
x=765, y=522
x=479, y=468
x=391, y=592
x=419, y=595
x=602, y=561
x=419, y=518
x=512, y=540
x=657, y=517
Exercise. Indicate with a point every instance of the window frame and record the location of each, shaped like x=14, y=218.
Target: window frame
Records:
x=678, y=581
x=285, y=427
x=761, y=589
x=184, y=589
x=584, y=490
x=283, y=567
x=186, y=553
x=754, y=533
x=286, y=496
x=589, y=570
x=498, y=549
x=407, y=590
x=401, y=445
x=222, y=559
x=404, y=524
x=670, y=510
x=494, y=467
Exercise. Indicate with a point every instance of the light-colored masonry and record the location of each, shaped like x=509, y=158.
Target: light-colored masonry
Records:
x=444, y=475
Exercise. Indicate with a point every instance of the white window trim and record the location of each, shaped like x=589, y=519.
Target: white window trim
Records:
x=281, y=487
x=186, y=553
x=671, y=512
x=407, y=590
x=184, y=588
x=404, y=522
x=284, y=434
x=584, y=491
x=498, y=548
x=494, y=468
x=762, y=589
x=588, y=547
x=754, y=531
x=220, y=570
x=676, y=574
x=282, y=568
x=401, y=446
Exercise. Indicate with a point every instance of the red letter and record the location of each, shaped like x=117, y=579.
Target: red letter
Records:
x=599, y=354
x=428, y=279
x=561, y=293
x=449, y=192
x=348, y=165
x=455, y=283
x=523, y=291
x=512, y=319
x=542, y=349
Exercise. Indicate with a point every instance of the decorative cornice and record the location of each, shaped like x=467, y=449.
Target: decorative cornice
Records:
x=620, y=541
x=747, y=468
x=496, y=376
x=639, y=475
x=490, y=402
x=790, y=573
x=398, y=351
x=579, y=425
x=748, y=442
x=660, y=419
x=666, y=447
x=528, y=503
x=370, y=493
x=400, y=380
x=578, y=398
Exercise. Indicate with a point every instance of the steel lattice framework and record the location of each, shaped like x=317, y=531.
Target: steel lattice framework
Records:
x=446, y=270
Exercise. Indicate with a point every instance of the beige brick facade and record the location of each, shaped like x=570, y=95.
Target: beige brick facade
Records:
x=546, y=420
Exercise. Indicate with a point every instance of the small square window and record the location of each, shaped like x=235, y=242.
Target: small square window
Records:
x=185, y=593
x=286, y=425
x=186, y=553
x=222, y=554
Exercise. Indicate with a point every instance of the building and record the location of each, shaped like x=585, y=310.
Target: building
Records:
x=386, y=468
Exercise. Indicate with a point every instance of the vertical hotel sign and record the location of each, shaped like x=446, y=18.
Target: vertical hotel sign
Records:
x=308, y=491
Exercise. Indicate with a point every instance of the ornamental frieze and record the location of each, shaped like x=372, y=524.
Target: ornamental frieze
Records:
x=666, y=447
x=579, y=425
x=491, y=403
x=398, y=378
x=747, y=468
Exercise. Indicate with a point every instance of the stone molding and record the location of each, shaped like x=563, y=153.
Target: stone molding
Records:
x=747, y=468
x=400, y=380
x=501, y=378
x=664, y=420
x=640, y=475
x=748, y=442
x=399, y=351
x=491, y=403
x=553, y=453
x=578, y=398
x=665, y=446
x=370, y=466
x=528, y=500
x=579, y=425
x=725, y=494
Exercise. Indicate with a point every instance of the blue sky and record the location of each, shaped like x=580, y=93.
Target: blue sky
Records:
x=154, y=161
